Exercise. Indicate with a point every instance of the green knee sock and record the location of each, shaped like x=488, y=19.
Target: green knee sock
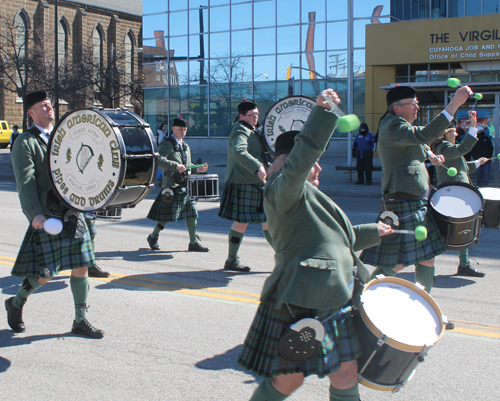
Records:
x=268, y=237
x=386, y=271
x=29, y=286
x=463, y=256
x=235, y=239
x=80, y=289
x=266, y=392
x=424, y=275
x=159, y=226
x=351, y=394
x=191, y=223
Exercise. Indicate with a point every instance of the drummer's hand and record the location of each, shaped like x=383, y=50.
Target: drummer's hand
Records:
x=436, y=160
x=261, y=172
x=38, y=221
x=384, y=229
x=327, y=94
x=202, y=169
x=181, y=168
x=472, y=118
x=483, y=160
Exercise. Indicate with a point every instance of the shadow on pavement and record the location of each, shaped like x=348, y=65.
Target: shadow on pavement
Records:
x=441, y=281
x=10, y=285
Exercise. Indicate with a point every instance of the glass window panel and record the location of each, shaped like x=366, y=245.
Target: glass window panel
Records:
x=198, y=111
x=241, y=43
x=397, y=9
x=360, y=32
x=241, y=68
x=284, y=61
x=179, y=74
x=154, y=6
x=198, y=72
x=359, y=98
x=472, y=7
x=264, y=68
x=155, y=107
x=178, y=23
x=313, y=6
x=363, y=8
x=282, y=90
x=483, y=77
x=264, y=41
x=288, y=12
x=456, y=8
x=179, y=46
x=315, y=62
x=288, y=39
x=336, y=10
x=195, y=25
x=241, y=16
x=219, y=19
x=312, y=88
x=179, y=104
x=423, y=11
x=217, y=2
x=264, y=13
x=177, y=5
x=197, y=49
x=358, y=60
x=438, y=9
x=407, y=9
x=317, y=32
x=491, y=6
x=414, y=10
x=219, y=45
x=264, y=93
x=154, y=23
x=336, y=35
x=402, y=71
x=231, y=69
x=336, y=64
x=220, y=110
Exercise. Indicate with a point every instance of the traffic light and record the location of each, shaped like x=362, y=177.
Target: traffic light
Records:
x=311, y=75
x=288, y=72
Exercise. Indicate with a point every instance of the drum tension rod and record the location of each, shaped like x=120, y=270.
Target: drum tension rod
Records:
x=424, y=353
x=382, y=339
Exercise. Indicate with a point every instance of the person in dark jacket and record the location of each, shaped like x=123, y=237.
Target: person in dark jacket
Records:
x=483, y=148
x=362, y=150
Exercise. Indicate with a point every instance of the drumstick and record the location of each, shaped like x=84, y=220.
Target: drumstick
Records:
x=420, y=232
x=455, y=83
x=196, y=166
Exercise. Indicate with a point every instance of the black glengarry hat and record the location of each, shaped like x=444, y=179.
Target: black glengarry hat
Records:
x=399, y=93
x=285, y=142
x=246, y=105
x=179, y=122
x=34, y=97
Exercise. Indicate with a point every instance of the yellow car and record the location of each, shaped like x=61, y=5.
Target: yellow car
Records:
x=5, y=133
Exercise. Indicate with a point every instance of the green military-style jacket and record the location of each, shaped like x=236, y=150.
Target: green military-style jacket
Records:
x=31, y=170
x=169, y=159
x=402, y=153
x=244, y=155
x=314, y=240
x=453, y=157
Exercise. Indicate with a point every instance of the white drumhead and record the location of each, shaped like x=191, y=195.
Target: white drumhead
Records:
x=85, y=160
x=401, y=313
x=202, y=177
x=456, y=201
x=490, y=193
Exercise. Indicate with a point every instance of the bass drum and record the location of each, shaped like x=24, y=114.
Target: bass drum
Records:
x=396, y=325
x=288, y=114
x=457, y=208
x=491, y=214
x=102, y=159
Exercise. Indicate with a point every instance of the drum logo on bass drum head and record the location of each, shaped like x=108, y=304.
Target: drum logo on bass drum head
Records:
x=85, y=162
x=288, y=114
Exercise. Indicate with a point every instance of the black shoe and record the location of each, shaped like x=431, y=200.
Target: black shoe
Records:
x=236, y=266
x=96, y=271
x=449, y=326
x=197, y=247
x=469, y=271
x=153, y=243
x=14, y=316
x=84, y=328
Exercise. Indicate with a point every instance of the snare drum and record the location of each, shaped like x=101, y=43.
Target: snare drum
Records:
x=102, y=158
x=203, y=186
x=457, y=208
x=396, y=325
x=491, y=213
x=110, y=214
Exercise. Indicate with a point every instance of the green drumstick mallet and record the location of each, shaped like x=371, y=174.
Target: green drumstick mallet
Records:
x=348, y=123
x=420, y=233
x=452, y=172
x=498, y=156
x=453, y=82
x=478, y=96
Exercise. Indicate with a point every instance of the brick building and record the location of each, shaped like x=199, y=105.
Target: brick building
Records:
x=100, y=28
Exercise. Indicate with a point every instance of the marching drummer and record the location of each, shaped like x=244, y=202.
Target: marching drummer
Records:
x=245, y=178
x=405, y=184
x=173, y=203
x=453, y=155
x=42, y=256
x=313, y=279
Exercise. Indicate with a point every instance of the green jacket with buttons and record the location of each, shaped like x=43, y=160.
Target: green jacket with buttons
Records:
x=453, y=157
x=169, y=158
x=313, y=239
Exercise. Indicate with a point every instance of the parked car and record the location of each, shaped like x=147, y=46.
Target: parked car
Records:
x=5, y=133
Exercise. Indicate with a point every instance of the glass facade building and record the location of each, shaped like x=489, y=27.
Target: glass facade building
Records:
x=201, y=60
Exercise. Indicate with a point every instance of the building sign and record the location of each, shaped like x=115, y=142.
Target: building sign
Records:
x=434, y=41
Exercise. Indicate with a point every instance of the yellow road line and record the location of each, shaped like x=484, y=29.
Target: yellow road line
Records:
x=6, y=263
x=7, y=258
x=477, y=333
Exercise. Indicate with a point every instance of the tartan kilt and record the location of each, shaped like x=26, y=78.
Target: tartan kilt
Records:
x=243, y=203
x=45, y=255
x=404, y=248
x=260, y=349
x=183, y=207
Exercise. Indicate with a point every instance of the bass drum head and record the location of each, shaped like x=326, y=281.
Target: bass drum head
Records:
x=84, y=159
x=287, y=114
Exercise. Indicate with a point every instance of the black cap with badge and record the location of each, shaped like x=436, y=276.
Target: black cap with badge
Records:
x=34, y=97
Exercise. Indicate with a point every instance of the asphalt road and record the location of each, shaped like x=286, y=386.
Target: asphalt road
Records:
x=175, y=321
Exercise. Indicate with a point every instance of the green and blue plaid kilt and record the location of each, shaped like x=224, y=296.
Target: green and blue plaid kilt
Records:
x=182, y=208
x=260, y=349
x=46, y=255
x=243, y=203
x=404, y=248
